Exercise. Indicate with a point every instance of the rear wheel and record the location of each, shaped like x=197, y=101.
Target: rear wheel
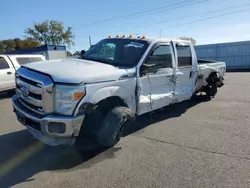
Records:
x=211, y=88
x=214, y=89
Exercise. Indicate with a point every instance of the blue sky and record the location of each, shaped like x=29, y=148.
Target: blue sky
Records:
x=16, y=16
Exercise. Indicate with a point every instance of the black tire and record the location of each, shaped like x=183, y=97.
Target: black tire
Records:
x=111, y=128
x=211, y=90
x=214, y=89
x=11, y=92
x=87, y=136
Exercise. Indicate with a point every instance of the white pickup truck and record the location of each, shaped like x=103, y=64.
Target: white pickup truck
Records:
x=95, y=97
x=8, y=66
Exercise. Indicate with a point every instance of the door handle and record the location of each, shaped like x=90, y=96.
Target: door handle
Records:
x=171, y=78
x=191, y=74
x=9, y=73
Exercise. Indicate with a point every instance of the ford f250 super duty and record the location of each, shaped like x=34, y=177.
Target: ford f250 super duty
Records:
x=61, y=101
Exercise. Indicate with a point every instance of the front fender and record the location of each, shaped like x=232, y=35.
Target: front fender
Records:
x=110, y=91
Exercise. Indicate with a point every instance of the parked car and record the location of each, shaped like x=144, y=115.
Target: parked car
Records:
x=94, y=98
x=8, y=66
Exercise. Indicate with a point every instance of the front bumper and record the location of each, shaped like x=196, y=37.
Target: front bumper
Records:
x=40, y=127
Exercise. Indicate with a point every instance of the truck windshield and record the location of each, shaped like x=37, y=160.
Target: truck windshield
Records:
x=117, y=52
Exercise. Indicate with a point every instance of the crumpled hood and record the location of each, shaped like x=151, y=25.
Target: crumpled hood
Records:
x=77, y=70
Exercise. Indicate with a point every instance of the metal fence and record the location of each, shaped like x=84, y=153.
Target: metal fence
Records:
x=235, y=54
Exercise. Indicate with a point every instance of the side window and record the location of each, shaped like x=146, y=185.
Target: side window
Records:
x=3, y=64
x=160, y=58
x=184, y=56
x=35, y=59
x=23, y=60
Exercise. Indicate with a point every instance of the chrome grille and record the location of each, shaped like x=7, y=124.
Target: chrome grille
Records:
x=35, y=91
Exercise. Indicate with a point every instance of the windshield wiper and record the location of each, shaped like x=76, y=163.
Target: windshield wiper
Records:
x=98, y=60
x=105, y=62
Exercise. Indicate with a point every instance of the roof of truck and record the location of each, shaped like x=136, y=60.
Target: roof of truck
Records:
x=152, y=39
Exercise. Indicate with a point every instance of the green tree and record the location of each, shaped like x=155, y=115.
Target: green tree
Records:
x=77, y=53
x=26, y=43
x=10, y=45
x=17, y=44
x=51, y=33
x=2, y=47
x=7, y=45
x=69, y=54
x=193, y=41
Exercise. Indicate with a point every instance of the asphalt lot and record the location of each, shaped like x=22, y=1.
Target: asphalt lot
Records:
x=193, y=144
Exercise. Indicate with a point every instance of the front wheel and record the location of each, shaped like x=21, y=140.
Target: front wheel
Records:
x=111, y=128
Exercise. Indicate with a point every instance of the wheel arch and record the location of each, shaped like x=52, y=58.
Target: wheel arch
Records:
x=113, y=95
x=213, y=76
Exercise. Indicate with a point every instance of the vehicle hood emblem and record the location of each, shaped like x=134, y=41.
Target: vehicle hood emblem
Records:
x=24, y=91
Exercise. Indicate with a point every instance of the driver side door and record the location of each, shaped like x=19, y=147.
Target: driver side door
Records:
x=156, y=80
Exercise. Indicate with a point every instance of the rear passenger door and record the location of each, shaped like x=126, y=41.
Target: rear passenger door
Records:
x=7, y=75
x=156, y=79
x=186, y=72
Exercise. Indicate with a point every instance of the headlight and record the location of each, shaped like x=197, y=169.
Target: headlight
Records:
x=67, y=97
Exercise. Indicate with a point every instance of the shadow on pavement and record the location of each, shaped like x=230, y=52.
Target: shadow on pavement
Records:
x=22, y=156
x=168, y=112
x=6, y=95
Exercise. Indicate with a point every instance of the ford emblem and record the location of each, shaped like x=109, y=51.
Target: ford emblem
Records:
x=24, y=91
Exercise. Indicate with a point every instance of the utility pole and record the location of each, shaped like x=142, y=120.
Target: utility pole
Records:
x=160, y=33
x=74, y=30
x=89, y=41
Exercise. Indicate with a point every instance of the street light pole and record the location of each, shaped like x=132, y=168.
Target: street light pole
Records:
x=89, y=41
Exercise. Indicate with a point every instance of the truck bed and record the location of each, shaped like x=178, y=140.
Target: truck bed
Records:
x=206, y=67
x=205, y=61
x=220, y=67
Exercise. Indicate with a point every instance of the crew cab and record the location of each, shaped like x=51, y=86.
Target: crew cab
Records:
x=62, y=102
x=8, y=66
